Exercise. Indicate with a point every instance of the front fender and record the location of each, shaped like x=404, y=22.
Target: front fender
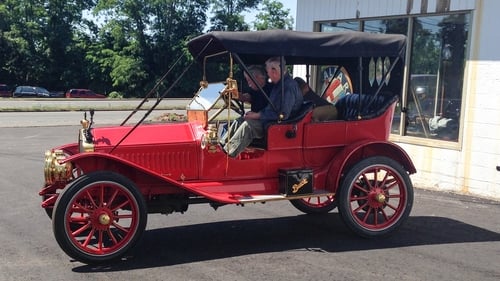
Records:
x=149, y=182
x=353, y=153
x=98, y=161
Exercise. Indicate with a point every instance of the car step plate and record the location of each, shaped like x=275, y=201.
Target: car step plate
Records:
x=276, y=197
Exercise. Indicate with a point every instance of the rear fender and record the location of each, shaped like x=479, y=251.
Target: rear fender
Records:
x=355, y=152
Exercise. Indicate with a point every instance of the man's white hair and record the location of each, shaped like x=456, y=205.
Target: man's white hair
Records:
x=274, y=62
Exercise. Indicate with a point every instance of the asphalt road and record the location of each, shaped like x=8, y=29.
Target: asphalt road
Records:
x=447, y=237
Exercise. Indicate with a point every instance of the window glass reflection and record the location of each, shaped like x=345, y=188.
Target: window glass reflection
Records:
x=339, y=26
x=436, y=76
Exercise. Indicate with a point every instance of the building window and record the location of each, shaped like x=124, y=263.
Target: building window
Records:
x=436, y=67
x=432, y=101
x=389, y=26
x=340, y=26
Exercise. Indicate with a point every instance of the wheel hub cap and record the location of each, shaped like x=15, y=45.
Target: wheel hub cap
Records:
x=377, y=198
x=104, y=219
x=380, y=198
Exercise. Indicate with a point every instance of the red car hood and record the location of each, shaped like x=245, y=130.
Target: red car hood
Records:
x=170, y=133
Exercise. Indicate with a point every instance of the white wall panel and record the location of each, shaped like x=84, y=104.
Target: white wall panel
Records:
x=310, y=11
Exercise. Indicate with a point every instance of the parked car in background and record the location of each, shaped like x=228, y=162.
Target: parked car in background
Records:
x=83, y=93
x=31, y=92
x=5, y=91
x=57, y=94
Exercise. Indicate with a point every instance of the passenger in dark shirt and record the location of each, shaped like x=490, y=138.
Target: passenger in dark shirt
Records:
x=254, y=96
x=323, y=110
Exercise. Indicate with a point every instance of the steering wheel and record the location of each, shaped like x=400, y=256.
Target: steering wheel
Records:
x=235, y=105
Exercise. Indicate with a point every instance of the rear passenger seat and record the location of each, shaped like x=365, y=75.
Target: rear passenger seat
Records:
x=349, y=107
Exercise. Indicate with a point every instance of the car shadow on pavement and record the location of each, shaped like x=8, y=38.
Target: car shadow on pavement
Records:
x=318, y=233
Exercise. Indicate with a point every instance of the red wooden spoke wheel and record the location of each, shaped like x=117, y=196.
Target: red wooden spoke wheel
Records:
x=99, y=218
x=375, y=197
x=315, y=205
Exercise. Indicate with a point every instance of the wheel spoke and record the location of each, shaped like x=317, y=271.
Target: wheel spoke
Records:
x=112, y=236
x=365, y=181
x=392, y=207
x=101, y=196
x=367, y=214
x=396, y=196
x=90, y=198
x=357, y=198
x=100, y=240
x=362, y=188
x=82, y=229
x=80, y=219
x=384, y=181
x=386, y=217
x=355, y=211
x=120, y=227
x=125, y=216
x=110, y=200
x=78, y=207
x=391, y=184
x=89, y=238
x=125, y=203
x=375, y=177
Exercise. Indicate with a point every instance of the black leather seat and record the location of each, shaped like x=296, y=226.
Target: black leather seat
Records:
x=354, y=106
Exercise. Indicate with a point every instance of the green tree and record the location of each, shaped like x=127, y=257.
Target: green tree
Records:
x=23, y=35
x=139, y=40
x=122, y=49
x=63, y=60
x=273, y=16
x=228, y=14
x=7, y=49
x=174, y=23
x=125, y=46
x=37, y=41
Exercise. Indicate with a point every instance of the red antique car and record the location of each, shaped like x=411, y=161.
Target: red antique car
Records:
x=99, y=190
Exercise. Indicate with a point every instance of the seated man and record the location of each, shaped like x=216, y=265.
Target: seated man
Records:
x=255, y=122
x=254, y=96
x=323, y=110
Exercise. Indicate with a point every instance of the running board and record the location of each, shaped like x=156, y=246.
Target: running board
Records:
x=277, y=197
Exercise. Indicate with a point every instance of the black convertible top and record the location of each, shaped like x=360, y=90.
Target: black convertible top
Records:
x=298, y=47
